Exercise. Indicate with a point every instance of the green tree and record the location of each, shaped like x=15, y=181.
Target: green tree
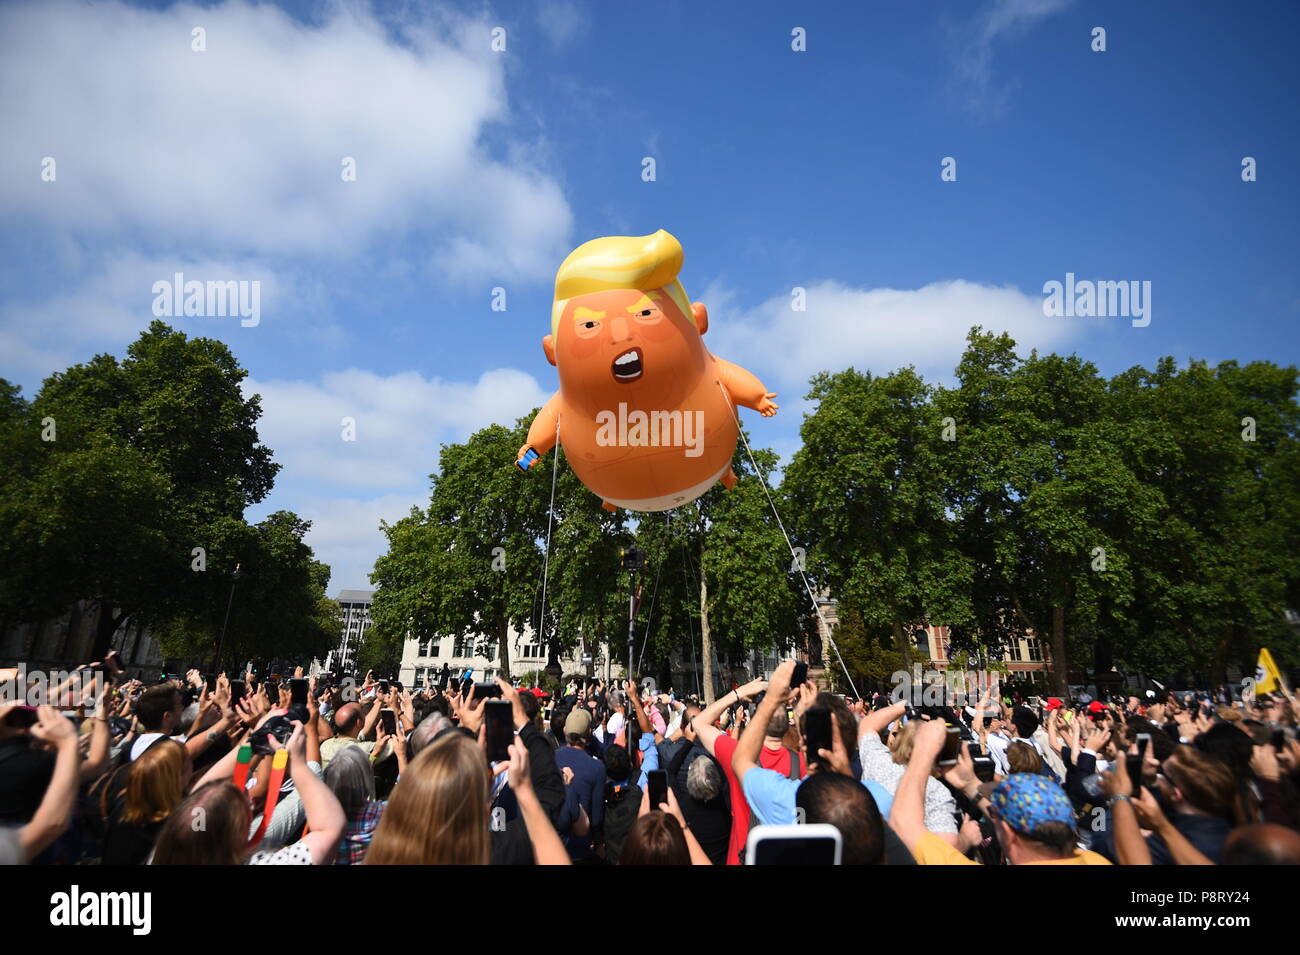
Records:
x=117, y=471
x=469, y=564
x=1219, y=562
x=1048, y=504
x=584, y=579
x=866, y=494
x=725, y=572
x=279, y=607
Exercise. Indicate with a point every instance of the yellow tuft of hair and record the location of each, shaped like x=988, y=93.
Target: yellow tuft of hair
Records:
x=642, y=262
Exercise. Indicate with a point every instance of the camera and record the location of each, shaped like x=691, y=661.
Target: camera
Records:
x=277, y=726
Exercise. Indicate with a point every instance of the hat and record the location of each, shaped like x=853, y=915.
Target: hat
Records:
x=1096, y=706
x=1054, y=703
x=577, y=723
x=1026, y=801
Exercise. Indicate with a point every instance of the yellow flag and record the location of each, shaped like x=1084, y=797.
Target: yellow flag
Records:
x=1268, y=678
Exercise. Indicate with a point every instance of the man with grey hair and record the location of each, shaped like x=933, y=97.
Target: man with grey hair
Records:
x=429, y=727
x=704, y=781
x=701, y=790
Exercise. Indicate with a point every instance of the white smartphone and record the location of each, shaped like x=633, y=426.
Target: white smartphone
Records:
x=814, y=844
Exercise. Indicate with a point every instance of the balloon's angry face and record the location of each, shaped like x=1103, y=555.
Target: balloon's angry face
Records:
x=623, y=339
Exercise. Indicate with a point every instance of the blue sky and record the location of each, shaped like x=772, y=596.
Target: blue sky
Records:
x=775, y=168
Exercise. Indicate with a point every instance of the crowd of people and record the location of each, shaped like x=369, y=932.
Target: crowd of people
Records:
x=324, y=771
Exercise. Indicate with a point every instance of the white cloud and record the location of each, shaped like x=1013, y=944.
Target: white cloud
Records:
x=113, y=302
x=238, y=150
x=878, y=330
x=976, y=40
x=561, y=21
x=345, y=531
x=400, y=421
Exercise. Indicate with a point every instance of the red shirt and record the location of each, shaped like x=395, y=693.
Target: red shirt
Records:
x=774, y=759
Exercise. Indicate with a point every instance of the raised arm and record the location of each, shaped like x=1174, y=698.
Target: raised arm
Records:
x=1130, y=847
x=97, y=759
x=703, y=722
x=55, y=810
x=1150, y=815
x=744, y=387
x=325, y=817
x=547, y=847
x=877, y=720
x=541, y=433
x=750, y=744
x=907, y=816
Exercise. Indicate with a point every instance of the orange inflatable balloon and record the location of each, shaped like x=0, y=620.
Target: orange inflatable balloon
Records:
x=646, y=415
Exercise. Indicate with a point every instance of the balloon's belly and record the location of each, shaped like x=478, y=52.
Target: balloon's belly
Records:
x=619, y=463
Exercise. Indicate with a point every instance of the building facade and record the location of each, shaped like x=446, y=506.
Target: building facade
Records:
x=479, y=657
x=69, y=640
x=354, y=619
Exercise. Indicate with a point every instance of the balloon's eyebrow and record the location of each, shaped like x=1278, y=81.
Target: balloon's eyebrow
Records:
x=641, y=304
x=580, y=313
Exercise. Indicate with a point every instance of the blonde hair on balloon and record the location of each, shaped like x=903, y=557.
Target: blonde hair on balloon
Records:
x=643, y=262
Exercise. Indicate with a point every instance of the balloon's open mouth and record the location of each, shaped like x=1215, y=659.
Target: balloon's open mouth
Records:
x=627, y=366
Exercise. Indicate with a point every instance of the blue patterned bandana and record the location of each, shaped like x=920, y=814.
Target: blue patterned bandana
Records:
x=1025, y=801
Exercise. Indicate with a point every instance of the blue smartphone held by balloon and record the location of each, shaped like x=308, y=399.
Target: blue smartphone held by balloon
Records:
x=526, y=461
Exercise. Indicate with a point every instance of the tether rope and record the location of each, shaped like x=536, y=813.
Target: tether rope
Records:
x=798, y=564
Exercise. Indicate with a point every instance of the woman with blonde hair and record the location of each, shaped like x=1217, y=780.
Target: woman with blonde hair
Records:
x=885, y=764
x=438, y=812
x=155, y=785
x=226, y=812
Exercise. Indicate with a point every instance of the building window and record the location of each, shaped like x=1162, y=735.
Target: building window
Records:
x=1035, y=649
x=464, y=647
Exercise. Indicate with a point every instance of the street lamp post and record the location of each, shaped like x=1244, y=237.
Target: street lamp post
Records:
x=221, y=640
x=633, y=560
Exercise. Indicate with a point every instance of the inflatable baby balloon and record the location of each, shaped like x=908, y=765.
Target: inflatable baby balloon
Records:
x=646, y=415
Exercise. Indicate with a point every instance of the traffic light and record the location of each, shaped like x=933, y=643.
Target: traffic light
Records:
x=632, y=559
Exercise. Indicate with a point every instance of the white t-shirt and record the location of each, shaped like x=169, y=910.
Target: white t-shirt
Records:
x=614, y=725
x=146, y=740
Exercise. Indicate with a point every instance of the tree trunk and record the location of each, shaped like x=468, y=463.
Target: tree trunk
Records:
x=105, y=627
x=903, y=645
x=1060, y=665
x=503, y=647
x=706, y=644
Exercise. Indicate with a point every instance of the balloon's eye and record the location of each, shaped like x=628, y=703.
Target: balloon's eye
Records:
x=645, y=312
x=590, y=324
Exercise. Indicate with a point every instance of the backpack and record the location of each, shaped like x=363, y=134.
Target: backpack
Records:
x=622, y=805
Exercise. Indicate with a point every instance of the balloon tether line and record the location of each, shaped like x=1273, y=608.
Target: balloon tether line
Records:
x=550, y=517
x=646, y=638
x=797, y=563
